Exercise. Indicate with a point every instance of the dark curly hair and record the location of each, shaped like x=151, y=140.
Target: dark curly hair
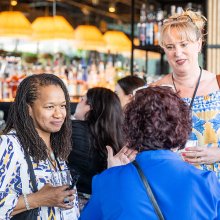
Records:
x=105, y=119
x=21, y=121
x=157, y=118
x=130, y=83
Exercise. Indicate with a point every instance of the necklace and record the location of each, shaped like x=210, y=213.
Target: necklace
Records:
x=196, y=88
x=51, y=158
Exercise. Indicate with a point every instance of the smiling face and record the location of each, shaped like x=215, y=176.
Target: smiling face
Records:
x=182, y=54
x=49, y=110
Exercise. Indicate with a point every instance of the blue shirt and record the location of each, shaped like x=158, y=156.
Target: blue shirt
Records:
x=182, y=191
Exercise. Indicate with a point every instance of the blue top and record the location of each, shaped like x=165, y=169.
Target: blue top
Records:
x=182, y=191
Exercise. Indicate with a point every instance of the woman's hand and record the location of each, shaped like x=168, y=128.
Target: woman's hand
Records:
x=123, y=157
x=201, y=155
x=51, y=196
x=47, y=196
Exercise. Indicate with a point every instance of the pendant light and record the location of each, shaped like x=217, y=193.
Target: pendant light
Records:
x=88, y=37
x=117, y=42
x=51, y=27
x=14, y=24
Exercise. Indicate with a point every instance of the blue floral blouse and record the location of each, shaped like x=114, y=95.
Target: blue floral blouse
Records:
x=15, y=180
x=206, y=124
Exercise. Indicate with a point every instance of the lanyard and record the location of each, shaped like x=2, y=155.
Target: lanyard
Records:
x=195, y=91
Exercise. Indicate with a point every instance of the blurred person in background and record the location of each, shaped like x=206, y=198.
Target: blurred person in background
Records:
x=182, y=36
x=125, y=87
x=157, y=122
x=97, y=123
x=38, y=125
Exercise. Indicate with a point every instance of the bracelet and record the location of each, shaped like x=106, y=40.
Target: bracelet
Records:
x=26, y=202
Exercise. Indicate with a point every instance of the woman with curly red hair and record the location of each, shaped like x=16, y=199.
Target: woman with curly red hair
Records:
x=157, y=123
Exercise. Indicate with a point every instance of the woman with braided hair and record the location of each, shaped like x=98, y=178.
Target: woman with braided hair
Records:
x=38, y=126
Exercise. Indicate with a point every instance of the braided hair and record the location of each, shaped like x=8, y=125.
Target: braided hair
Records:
x=20, y=120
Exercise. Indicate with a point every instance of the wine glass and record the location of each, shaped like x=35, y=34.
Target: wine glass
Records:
x=60, y=178
x=189, y=143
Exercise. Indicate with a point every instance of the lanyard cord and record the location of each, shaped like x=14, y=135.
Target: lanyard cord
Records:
x=195, y=91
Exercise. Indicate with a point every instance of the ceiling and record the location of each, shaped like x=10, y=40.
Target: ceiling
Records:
x=76, y=11
x=93, y=12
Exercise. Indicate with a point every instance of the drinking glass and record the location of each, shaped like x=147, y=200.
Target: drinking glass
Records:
x=189, y=143
x=60, y=178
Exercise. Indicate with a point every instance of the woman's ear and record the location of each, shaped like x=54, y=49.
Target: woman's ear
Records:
x=30, y=110
x=200, y=45
x=130, y=97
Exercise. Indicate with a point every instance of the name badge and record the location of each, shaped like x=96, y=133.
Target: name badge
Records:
x=69, y=214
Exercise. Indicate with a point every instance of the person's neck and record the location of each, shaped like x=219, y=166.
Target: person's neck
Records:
x=46, y=138
x=187, y=79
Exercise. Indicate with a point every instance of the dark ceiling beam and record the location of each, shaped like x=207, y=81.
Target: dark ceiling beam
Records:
x=138, y=3
x=79, y=5
x=95, y=10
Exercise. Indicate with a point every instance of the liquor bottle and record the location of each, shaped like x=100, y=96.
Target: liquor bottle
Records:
x=189, y=5
x=158, y=25
x=142, y=26
x=199, y=9
x=172, y=10
x=150, y=26
x=179, y=10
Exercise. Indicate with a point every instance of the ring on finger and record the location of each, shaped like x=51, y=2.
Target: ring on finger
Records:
x=200, y=159
x=196, y=157
x=66, y=200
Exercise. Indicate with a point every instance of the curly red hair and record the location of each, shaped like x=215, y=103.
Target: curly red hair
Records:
x=157, y=118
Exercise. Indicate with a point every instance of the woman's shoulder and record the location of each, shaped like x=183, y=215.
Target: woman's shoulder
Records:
x=111, y=174
x=165, y=80
x=207, y=75
x=208, y=84
x=9, y=145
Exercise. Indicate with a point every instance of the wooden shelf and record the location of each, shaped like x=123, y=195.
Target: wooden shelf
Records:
x=151, y=48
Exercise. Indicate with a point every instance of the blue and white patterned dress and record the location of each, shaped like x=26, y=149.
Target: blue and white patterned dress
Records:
x=206, y=124
x=15, y=180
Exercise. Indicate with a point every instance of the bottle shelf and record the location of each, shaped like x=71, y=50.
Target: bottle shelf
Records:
x=151, y=48
x=152, y=13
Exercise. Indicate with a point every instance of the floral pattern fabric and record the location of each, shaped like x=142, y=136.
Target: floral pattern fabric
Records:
x=206, y=124
x=15, y=180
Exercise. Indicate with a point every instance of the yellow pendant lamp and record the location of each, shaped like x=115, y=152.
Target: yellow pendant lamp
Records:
x=117, y=42
x=88, y=37
x=14, y=24
x=52, y=27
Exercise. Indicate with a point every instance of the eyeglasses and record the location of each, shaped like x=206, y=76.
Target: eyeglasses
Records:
x=139, y=88
x=146, y=86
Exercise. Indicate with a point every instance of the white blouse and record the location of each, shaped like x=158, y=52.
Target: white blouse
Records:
x=15, y=180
